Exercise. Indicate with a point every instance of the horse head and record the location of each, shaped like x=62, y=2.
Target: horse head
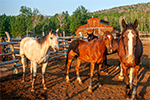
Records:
x=108, y=40
x=129, y=38
x=53, y=39
x=90, y=37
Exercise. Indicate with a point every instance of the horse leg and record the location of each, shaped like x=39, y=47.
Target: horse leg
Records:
x=127, y=90
x=99, y=69
x=131, y=77
x=134, y=87
x=31, y=71
x=34, y=75
x=118, y=66
x=44, y=65
x=121, y=77
x=24, y=66
x=69, y=59
x=91, y=76
x=77, y=70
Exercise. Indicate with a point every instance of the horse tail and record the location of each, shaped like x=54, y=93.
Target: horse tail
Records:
x=27, y=62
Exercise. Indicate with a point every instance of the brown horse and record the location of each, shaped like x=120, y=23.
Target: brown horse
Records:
x=91, y=37
x=130, y=50
x=92, y=52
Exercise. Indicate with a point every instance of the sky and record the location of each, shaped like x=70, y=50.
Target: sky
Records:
x=51, y=7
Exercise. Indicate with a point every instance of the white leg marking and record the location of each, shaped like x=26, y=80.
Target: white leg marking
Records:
x=131, y=73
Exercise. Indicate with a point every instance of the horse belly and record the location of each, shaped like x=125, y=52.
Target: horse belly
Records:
x=85, y=58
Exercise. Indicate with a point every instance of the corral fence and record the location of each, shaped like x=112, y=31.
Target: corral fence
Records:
x=10, y=47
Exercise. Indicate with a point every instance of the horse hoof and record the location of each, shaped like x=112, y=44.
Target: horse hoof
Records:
x=32, y=90
x=121, y=78
x=117, y=68
x=22, y=81
x=80, y=83
x=67, y=81
x=45, y=88
x=99, y=85
x=138, y=97
x=90, y=89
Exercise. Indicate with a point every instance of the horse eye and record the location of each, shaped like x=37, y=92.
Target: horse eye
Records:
x=123, y=37
x=105, y=38
x=51, y=38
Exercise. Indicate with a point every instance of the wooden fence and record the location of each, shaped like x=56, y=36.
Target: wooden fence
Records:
x=14, y=51
x=63, y=44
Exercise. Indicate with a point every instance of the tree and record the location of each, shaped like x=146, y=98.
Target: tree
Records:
x=79, y=17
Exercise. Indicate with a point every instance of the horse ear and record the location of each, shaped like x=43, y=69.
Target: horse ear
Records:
x=135, y=23
x=50, y=30
x=123, y=23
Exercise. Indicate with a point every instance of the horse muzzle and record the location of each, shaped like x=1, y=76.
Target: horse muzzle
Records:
x=56, y=49
x=130, y=59
x=109, y=51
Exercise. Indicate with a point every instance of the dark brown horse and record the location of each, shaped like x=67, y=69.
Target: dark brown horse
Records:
x=91, y=36
x=130, y=50
x=92, y=52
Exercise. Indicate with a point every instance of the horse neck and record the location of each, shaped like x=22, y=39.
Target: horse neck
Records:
x=101, y=44
x=45, y=45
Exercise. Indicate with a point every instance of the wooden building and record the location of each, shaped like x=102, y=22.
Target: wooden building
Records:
x=95, y=26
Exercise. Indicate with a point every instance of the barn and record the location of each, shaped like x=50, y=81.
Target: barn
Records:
x=95, y=26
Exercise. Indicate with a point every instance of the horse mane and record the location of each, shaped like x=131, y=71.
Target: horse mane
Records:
x=42, y=39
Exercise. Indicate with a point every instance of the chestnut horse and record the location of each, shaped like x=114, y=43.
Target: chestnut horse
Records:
x=38, y=51
x=90, y=37
x=92, y=52
x=130, y=50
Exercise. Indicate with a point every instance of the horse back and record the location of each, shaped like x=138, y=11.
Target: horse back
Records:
x=25, y=43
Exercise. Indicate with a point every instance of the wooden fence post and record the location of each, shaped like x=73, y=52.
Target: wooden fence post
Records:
x=12, y=51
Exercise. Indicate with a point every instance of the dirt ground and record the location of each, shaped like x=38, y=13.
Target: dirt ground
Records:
x=11, y=86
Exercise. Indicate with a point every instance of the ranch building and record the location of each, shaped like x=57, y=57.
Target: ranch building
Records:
x=95, y=26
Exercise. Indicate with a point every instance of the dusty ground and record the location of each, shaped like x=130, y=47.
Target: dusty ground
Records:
x=11, y=86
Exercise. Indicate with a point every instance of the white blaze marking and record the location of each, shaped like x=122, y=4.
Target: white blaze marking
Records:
x=130, y=42
x=109, y=36
x=109, y=39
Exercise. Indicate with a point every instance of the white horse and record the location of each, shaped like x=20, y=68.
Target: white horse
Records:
x=38, y=51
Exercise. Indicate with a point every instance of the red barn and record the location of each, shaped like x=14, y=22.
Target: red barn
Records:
x=95, y=25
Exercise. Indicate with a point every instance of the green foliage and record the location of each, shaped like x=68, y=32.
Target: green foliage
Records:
x=79, y=17
x=31, y=20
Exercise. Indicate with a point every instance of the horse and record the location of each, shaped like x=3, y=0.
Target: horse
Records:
x=38, y=51
x=92, y=52
x=130, y=50
x=91, y=37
